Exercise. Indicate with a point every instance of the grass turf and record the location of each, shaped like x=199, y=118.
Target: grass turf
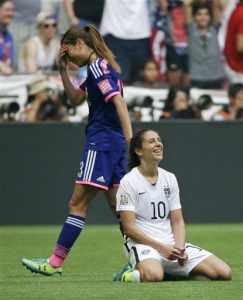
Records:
x=98, y=254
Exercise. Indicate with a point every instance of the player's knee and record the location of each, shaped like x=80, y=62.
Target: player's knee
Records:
x=150, y=276
x=221, y=274
x=77, y=206
x=226, y=274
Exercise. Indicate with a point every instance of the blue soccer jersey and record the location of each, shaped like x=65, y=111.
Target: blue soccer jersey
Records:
x=103, y=131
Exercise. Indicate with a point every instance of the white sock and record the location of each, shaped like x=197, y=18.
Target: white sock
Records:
x=132, y=276
x=135, y=276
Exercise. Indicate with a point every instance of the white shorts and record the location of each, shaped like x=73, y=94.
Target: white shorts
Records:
x=139, y=252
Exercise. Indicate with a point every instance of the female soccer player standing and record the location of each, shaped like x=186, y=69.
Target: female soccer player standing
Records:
x=149, y=204
x=108, y=131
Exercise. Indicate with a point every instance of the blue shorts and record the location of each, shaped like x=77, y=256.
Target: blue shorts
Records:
x=102, y=169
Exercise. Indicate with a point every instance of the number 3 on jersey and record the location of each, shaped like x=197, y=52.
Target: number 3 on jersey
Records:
x=159, y=210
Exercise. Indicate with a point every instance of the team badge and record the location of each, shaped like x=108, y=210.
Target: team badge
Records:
x=124, y=199
x=146, y=251
x=104, y=86
x=167, y=192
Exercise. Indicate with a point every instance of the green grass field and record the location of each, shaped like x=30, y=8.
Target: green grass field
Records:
x=98, y=254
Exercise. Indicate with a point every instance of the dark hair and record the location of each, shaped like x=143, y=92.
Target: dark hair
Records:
x=234, y=89
x=4, y=1
x=93, y=39
x=146, y=62
x=136, y=143
x=198, y=5
x=172, y=94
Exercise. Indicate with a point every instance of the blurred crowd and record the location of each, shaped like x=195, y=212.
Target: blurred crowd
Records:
x=172, y=45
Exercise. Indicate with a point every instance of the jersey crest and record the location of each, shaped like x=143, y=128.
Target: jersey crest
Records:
x=105, y=86
x=167, y=192
x=124, y=199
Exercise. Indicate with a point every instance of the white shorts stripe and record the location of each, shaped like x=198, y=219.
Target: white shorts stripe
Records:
x=74, y=224
x=92, y=166
x=89, y=171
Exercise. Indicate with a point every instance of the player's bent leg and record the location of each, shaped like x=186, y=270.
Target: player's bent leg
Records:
x=110, y=196
x=151, y=270
x=213, y=268
x=81, y=198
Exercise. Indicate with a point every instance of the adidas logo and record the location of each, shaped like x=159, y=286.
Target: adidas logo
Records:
x=101, y=179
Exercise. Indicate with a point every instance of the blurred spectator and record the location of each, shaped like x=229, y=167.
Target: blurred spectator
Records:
x=235, y=108
x=205, y=63
x=217, y=8
x=226, y=7
x=177, y=105
x=233, y=50
x=40, y=51
x=82, y=12
x=239, y=115
x=126, y=29
x=44, y=103
x=23, y=24
x=6, y=39
x=142, y=112
x=149, y=75
x=176, y=42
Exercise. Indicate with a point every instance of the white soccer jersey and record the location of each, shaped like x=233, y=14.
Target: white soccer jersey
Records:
x=151, y=203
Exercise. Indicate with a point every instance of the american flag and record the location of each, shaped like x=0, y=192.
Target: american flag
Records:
x=157, y=41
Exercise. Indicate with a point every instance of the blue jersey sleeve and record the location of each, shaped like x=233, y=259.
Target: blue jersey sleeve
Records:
x=106, y=79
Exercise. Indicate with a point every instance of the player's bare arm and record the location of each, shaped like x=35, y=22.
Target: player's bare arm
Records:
x=122, y=111
x=73, y=95
x=132, y=231
x=178, y=227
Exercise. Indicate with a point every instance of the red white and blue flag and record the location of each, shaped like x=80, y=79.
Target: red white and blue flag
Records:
x=158, y=42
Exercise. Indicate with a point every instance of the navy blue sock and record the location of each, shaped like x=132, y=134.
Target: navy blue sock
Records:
x=70, y=232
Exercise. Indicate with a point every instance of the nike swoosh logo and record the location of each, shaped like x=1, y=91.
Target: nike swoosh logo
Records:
x=141, y=193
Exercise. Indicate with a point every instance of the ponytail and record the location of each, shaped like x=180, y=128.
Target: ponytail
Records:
x=93, y=39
